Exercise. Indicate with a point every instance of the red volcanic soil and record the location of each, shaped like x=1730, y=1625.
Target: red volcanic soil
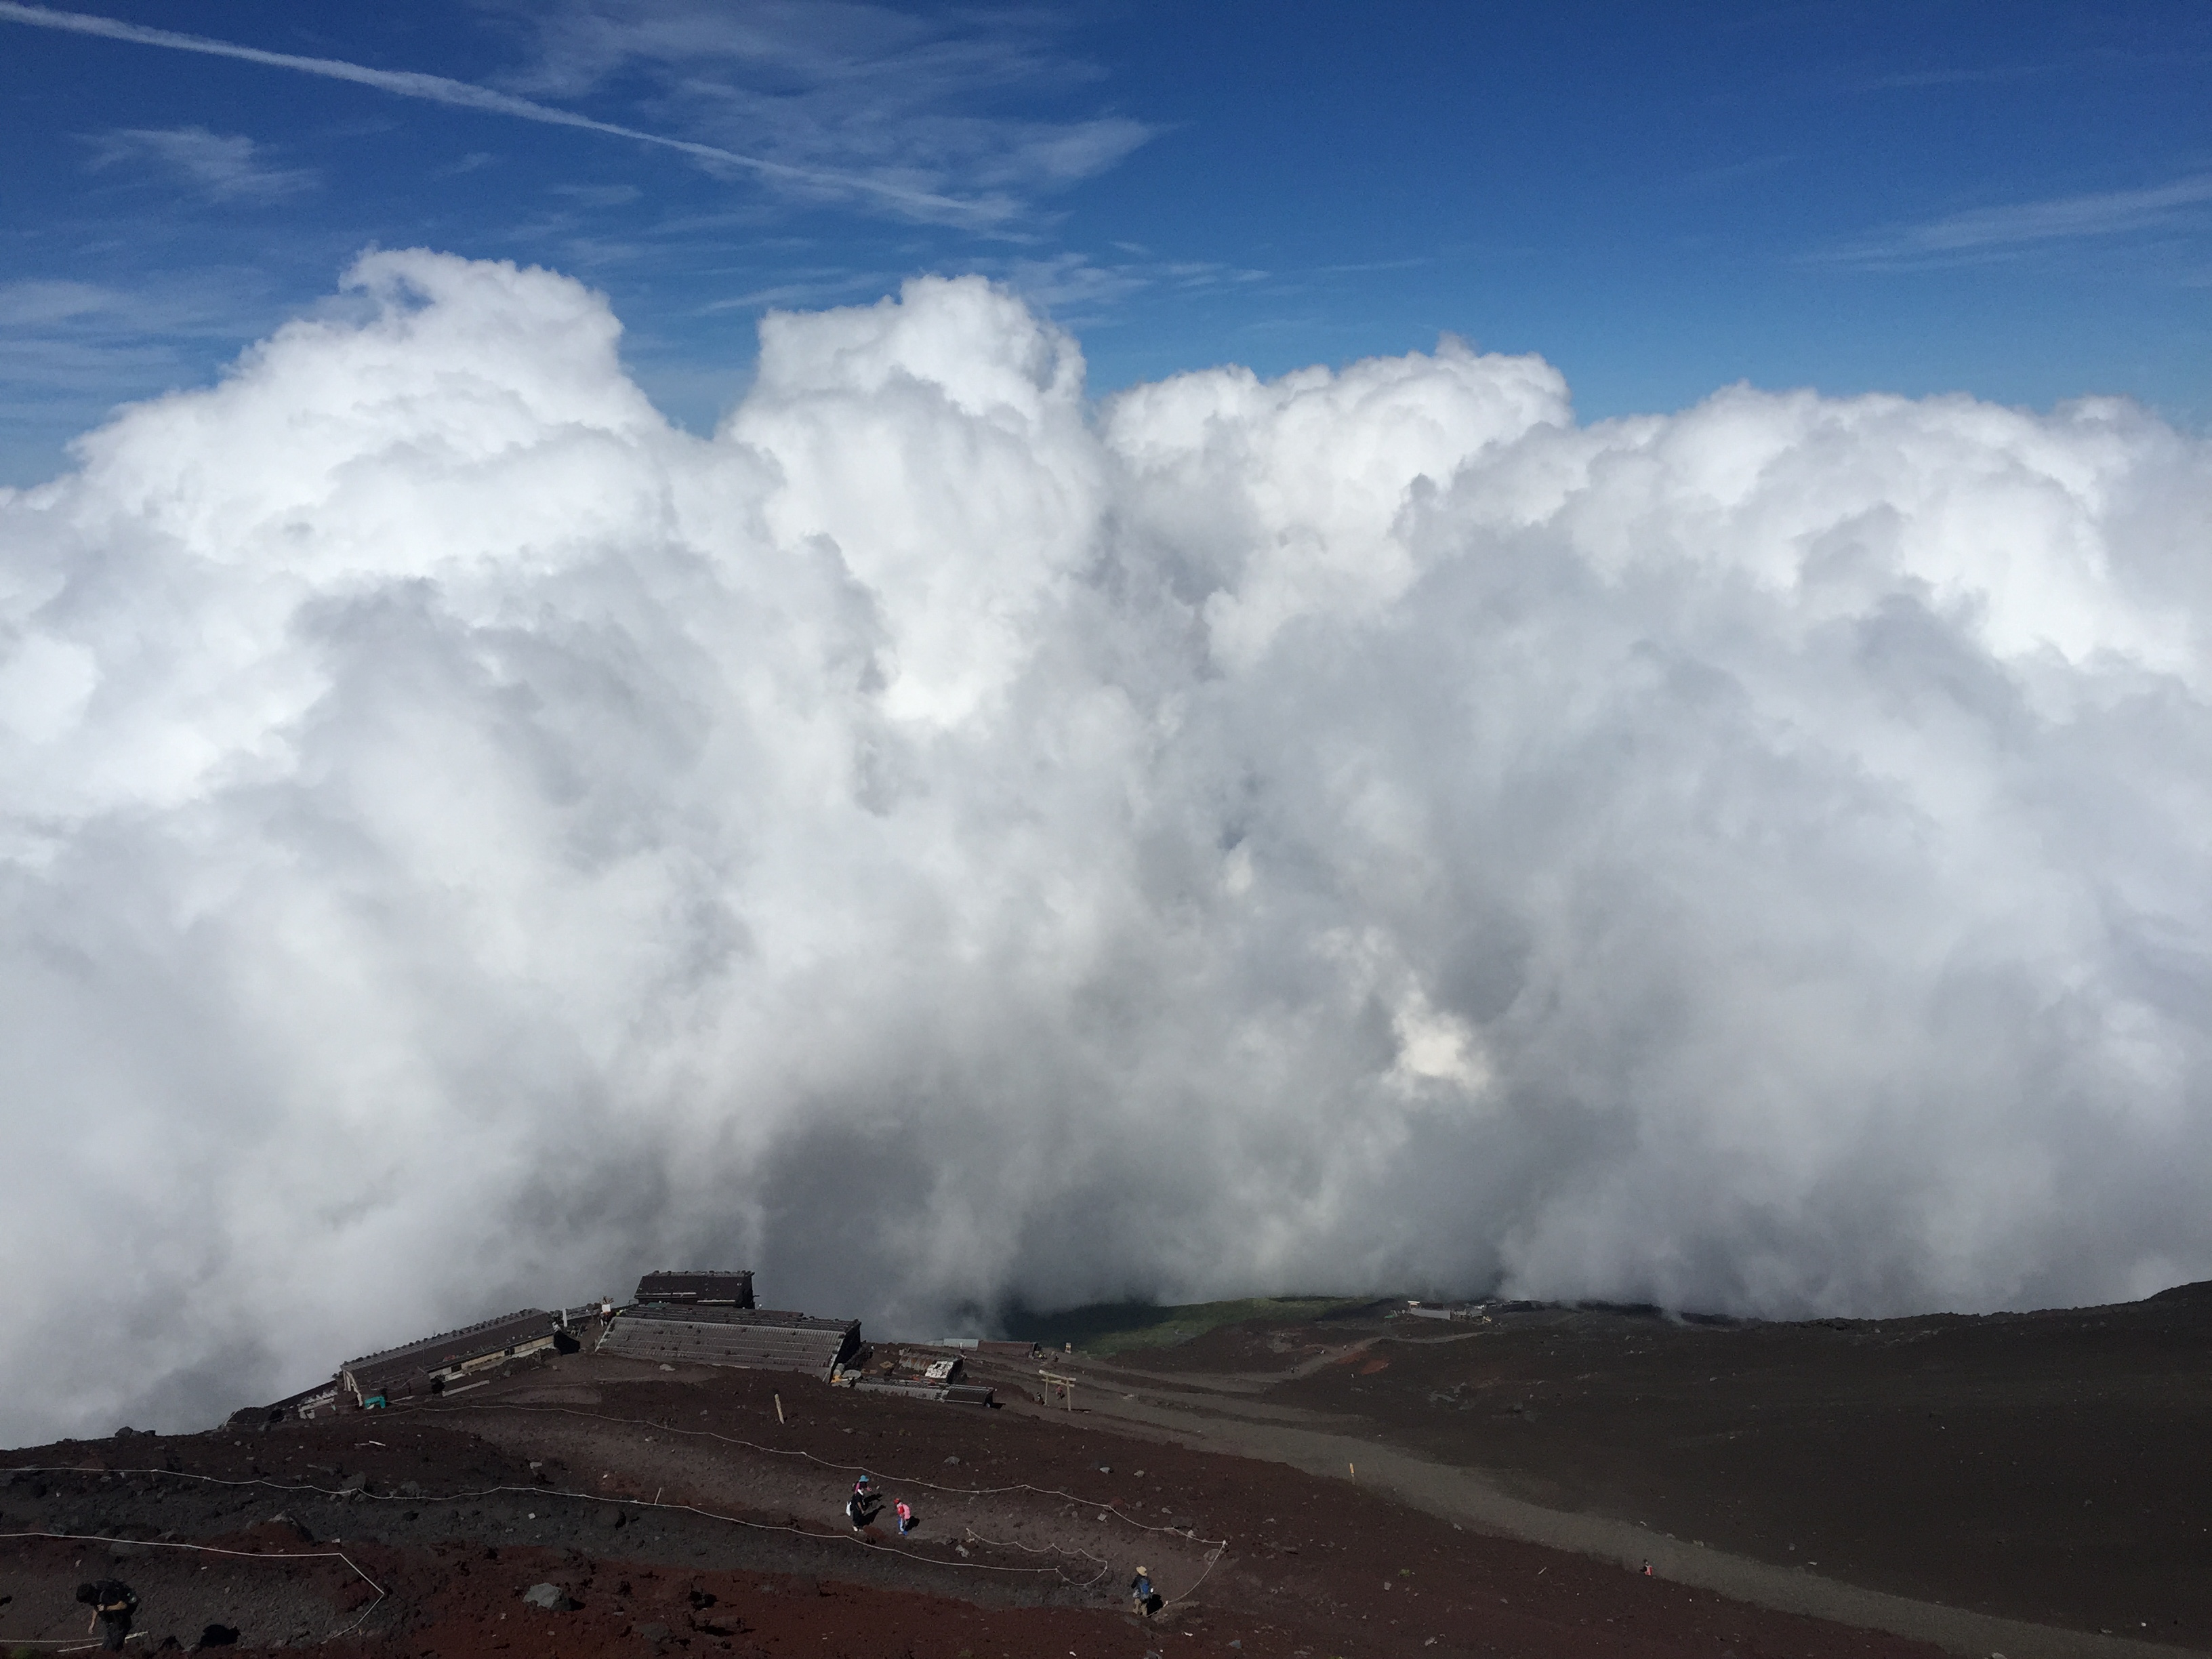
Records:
x=671, y=1512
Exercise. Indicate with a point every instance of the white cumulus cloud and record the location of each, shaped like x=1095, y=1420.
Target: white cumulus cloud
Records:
x=939, y=843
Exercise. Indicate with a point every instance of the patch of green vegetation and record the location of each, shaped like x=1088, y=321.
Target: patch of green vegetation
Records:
x=1105, y=1328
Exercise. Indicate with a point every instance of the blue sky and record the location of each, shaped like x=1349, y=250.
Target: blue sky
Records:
x=2013, y=200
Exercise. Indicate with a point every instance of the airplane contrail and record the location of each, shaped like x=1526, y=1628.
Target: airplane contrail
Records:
x=464, y=94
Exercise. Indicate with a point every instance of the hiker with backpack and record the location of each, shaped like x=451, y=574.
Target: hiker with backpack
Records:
x=112, y=1603
x=1142, y=1595
x=862, y=1507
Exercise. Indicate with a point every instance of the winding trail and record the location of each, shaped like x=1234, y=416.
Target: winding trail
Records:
x=1222, y=1413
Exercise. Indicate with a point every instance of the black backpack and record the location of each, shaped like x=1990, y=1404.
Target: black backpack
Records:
x=109, y=1591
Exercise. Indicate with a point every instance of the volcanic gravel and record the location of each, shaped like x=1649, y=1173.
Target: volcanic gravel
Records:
x=549, y=1476
x=2046, y=1466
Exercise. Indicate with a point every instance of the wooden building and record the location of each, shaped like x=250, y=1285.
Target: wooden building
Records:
x=675, y=1332
x=436, y=1363
x=698, y=1287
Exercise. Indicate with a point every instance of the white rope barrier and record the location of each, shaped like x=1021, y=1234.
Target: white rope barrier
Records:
x=1219, y=1545
x=205, y=1549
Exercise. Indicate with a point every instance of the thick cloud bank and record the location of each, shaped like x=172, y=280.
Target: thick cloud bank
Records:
x=939, y=842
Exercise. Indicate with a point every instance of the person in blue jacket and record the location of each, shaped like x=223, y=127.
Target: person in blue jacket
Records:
x=1143, y=1595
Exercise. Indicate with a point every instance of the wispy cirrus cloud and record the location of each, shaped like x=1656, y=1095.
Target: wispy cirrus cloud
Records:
x=1071, y=285
x=223, y=167
x=599, y=196
x=944, y=101
x=42, y=304
x=1920, y=80
x=882, y=188
x=2000, y=231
